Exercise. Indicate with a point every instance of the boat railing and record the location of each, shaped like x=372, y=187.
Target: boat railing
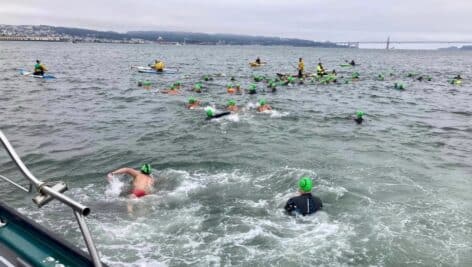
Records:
x=46, y=193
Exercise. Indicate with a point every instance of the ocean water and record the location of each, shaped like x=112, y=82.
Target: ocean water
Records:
x=397, y=190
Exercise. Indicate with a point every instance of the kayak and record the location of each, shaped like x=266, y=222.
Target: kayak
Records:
x=30, y=74
x=255, y=64
x=143, y=69
x=345, y=65
x=152, y=71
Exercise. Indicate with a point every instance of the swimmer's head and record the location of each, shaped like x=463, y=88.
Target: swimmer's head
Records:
x=360, y=114
x=192, y=100
x=146, y=169
x=305, y=184
x=262, y=102
x=252, y=87
x=210, y=112
x=229, y=85
x=231, y=103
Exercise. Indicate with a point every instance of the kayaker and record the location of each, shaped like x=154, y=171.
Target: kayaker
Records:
x=39, y=68
x=159, y=65
x=305, y=203
x=320, y=69
x=352, y=63
x=258, y=61
x=142, y=180
x=263, y=106
x=301, y=67
x=458, y=77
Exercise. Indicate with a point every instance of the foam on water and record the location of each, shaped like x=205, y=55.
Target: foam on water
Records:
x=114, y=187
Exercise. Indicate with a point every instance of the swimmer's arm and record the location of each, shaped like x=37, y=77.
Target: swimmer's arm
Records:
x=129, y=171
x=290, y=206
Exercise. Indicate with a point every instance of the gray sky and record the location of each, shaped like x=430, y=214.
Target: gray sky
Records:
x=340, y=20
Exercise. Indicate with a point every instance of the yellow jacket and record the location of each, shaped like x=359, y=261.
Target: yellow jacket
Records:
x=159, y=66
x=301, y=65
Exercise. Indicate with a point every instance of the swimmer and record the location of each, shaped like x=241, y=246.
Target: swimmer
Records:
x=193, y=103
x=358, y=117
x=252, y=89
x=230, y=89
x=305, y=203
x=232, y=106
x=142, y=180
x=177, y=85
x=198, y=88
x=263, y=106
x=238, y=89
x=171, y=91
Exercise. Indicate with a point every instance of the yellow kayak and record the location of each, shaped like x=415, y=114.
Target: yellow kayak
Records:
x=255, y=64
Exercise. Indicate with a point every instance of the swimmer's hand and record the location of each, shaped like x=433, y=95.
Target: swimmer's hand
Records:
x=110, y=176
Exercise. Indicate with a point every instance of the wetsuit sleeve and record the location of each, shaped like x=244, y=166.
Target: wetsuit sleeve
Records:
x=290, y=206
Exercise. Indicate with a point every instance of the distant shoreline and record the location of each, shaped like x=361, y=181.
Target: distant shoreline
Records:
x=78, y=35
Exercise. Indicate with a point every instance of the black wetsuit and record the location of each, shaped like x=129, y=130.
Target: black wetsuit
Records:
x=304, y=204
x=300, y=73
x=219, y=115
x=359, y=120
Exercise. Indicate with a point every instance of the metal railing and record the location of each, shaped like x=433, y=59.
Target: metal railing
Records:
x=48, y=193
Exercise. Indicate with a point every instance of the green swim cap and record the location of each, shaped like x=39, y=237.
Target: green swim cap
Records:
x=210, y=111
x=305, y=184
x=252, y=87
x=192, y=100
x=146, y=169
x=360, y=114
x=229, y=85
x=231, y=103
x=262, y=102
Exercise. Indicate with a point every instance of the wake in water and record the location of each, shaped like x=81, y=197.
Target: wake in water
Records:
x=114, y=187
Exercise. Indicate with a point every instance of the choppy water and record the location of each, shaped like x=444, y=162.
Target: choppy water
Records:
x=397, y=191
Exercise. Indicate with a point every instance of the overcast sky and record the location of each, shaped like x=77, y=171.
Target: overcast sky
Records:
x=335, y=20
